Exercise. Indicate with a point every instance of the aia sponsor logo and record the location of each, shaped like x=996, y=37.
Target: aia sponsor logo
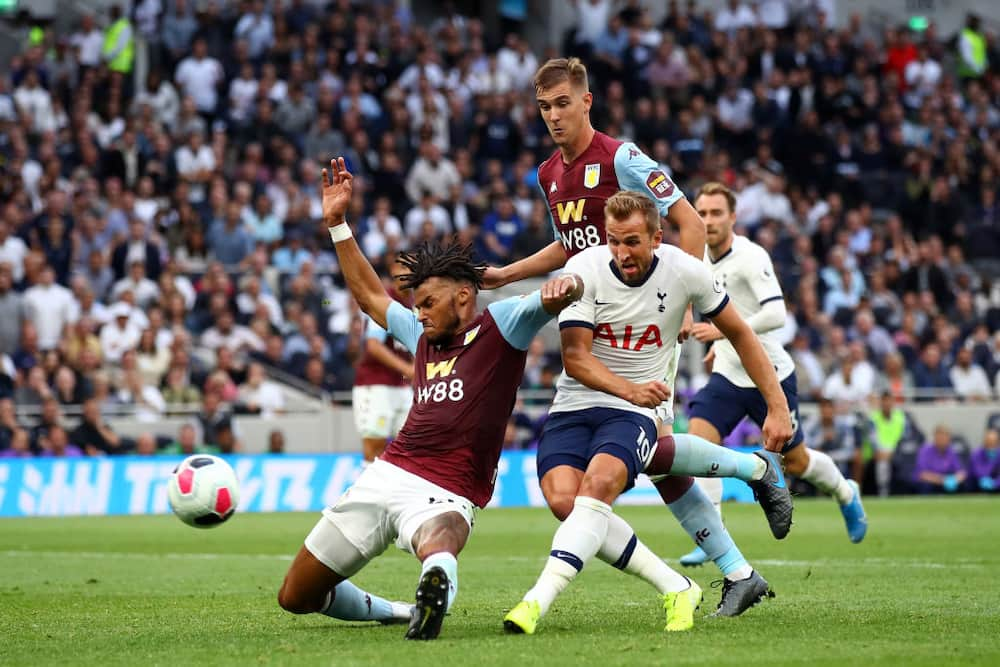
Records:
x=629, y=339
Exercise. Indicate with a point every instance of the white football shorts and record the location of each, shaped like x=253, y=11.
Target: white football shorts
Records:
x=380, y=410
x=385, y=504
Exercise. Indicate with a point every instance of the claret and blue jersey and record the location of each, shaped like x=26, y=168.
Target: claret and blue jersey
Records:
x=576, y=192
x=464, y=390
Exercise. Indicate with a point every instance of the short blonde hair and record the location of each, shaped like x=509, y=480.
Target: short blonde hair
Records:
x=621, y=205
x=557, y=70
x=714, y=188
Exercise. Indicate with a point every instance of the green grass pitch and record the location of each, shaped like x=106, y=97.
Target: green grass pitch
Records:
x=923, y=589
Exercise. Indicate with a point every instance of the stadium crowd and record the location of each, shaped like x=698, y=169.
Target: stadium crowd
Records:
x=159, y=243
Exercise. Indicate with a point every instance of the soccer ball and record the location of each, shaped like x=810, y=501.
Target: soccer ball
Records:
x=203, y=491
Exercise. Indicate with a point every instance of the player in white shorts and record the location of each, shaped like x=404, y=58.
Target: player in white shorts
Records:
x=601, y=435
x=745, y=269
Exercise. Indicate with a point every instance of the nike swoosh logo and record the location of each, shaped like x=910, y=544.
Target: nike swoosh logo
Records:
x=601, y=303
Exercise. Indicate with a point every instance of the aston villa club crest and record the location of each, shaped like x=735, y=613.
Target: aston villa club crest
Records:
x=471, y=335
x=592, y=176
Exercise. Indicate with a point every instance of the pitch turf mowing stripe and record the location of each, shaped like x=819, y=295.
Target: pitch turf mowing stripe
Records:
x=824, y=562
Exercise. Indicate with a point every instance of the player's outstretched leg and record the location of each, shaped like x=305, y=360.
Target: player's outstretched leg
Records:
x=685, y=454
x=315, y=586
x=819, y=470
x=743, y=586
x=436, y=543
x=349, y=603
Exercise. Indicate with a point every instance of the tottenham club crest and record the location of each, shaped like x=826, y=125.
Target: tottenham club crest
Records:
x=661, y=296
x=592, y=176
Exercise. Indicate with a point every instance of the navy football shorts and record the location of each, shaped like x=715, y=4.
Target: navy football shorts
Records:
x=722, y=404
x=574, y=438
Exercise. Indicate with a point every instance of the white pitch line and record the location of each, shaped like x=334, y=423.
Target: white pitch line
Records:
x=842, y=562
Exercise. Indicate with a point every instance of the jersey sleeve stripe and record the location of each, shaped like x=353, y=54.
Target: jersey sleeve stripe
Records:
x=718, y=309
x=576, y=323
x=771, y=298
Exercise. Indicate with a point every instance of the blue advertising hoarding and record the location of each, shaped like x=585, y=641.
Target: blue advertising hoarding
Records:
x=268, y=483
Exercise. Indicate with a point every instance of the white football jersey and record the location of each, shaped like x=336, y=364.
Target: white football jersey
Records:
x=635, y=327
x=748, y=277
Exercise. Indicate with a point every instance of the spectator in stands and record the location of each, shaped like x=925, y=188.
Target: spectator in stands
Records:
x=967, y=378
x=145, y=444
x=984, y=463
x=228, y=239
x=93, y=434
x=119, y=335
x=276, y=442
x=834, y=434
x=259, y=395
x=501, y=227
x=145, y=290
x=49, y=307
x=57, y=444
x=939, y=468
x=178, y=390
x=226, y=333
x=187, y=443
x=12, y=311
x=136, y=248
x=930, y=373
x=20, y=446
x=433, y=173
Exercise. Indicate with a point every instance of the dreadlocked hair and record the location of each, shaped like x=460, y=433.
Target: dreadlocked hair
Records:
x=430, y=260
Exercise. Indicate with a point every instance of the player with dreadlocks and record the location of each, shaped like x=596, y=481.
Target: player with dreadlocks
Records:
x=423, y=492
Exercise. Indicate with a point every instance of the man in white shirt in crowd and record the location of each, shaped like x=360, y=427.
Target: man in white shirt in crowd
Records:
x=195, y=164
x=119, y=335
x=226, y=333
x=199, y=76
x=12, y=251
x=49, y=306
x=969, y=379
x=432, y=173
x=260, y=394
x=145, y=290
x=428, y=210
x=88, y=41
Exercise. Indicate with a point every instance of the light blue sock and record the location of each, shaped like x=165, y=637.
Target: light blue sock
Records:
x=702, y=522
x=449, y=564
x=695, y=456
x=350, y=603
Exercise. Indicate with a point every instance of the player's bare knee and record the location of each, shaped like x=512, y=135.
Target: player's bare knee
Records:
x=602, y=486
x=293, y=601
x=560, y=504
x=447, y=532
x=796, y=461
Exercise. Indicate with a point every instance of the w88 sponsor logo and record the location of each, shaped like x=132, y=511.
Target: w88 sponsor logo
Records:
x=452, y=390
x=580, y=238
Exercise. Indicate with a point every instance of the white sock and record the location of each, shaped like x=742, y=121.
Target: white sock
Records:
x=712, y=486
x=576, y=541
x=883, y=476
x=758, y=473
x=623, y=550
x=824, y=474
x=449, y=564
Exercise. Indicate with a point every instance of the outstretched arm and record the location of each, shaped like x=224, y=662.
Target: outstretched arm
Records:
x=543, y=262
x=691, y=227
x=361, y=278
